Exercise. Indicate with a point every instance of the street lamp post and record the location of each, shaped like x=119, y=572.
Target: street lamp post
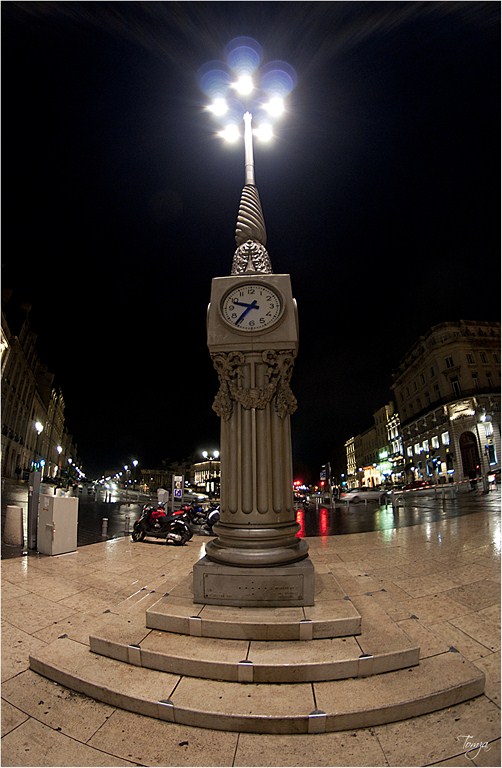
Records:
x=33, y=492
x=127, y=476
x=210, y=484
x=59, y=450
x=481, y=418
x=39, y=427
x=70, y=463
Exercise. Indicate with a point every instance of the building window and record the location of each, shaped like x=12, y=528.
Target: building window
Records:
x=470, y=358
x=417, y=448
x=433, y=373
x=496, y=357
x=425, y=445
x=409, y=451
x=475, y=380
x=489, y=380
x=492, y=455
x=483, y=357
x=449, y=362
x=422, y=378
x=435, y=441
x=455, y=385
x=445, y=438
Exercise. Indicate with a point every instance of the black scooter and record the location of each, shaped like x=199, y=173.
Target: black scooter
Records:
x=213, y=516
x=202, y=520
x=156, y=523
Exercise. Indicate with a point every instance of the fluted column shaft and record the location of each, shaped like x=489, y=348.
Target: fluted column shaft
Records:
x=258, y=522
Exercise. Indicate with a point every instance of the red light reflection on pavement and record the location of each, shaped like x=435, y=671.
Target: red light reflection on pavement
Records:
x=300, y=519
x=323, y=522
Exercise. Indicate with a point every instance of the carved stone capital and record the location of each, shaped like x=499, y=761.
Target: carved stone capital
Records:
x=229, y=367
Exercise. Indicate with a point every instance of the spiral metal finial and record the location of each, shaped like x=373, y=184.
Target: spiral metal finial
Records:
x=251, y=255
x=250, y=221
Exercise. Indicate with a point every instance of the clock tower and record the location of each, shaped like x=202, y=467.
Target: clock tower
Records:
x=256, y=558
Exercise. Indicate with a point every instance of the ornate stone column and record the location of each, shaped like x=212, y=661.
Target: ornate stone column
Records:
x=256, y=558
x=258, y=522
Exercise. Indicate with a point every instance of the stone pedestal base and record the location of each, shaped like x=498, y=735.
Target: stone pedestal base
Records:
x=280, y=586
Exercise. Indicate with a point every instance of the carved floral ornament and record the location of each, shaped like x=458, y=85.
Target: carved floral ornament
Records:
x=251, y=257
x=229, y=367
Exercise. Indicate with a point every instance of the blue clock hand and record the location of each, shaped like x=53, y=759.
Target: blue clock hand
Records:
x=253, y=305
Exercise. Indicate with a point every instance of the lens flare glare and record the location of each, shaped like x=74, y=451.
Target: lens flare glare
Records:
x=219, y=107
x=244, y=85
x=230, y=133
x=264, y=132
x=275, y=106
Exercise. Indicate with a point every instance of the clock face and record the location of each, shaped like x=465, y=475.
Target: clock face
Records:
x=251, y=307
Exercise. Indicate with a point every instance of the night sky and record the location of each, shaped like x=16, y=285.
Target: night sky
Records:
x=381, y=197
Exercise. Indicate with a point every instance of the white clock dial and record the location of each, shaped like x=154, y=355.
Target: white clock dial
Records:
x=251, y=307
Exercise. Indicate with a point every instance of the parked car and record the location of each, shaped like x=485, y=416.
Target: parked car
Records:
x=192, y=497
x=358, y=495
x=417, y=485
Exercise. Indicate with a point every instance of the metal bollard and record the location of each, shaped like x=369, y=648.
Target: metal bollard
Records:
x=127, y=522
x=104, y=526
x=397, y=501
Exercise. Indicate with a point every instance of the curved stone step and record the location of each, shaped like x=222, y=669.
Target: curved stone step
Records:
x=381, y=647
x=439, y=681
x=339, y=618
x=333, y=615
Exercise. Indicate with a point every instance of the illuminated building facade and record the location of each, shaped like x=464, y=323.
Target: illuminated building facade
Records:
x=447, y=391
x=374, y=457
x=29, y=397
x=207, y=477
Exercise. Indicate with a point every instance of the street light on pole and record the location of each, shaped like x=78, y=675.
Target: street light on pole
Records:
x=239, y=90
x=39, y=429
x=59, y=449
x=210, y=483
x=241, y=87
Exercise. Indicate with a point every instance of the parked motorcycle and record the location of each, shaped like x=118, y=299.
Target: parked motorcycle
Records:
x=156, y=523
x=213, y=516
x=200, y=519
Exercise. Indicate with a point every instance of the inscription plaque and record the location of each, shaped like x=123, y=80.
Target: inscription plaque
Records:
x=237, y=587
x=274, y=586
